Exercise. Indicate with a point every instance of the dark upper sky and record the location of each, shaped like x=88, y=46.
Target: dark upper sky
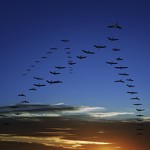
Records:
x=28, y=29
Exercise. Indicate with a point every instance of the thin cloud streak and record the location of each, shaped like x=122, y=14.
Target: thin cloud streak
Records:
x=109, y=114
x=62, y=110
x=57, y=141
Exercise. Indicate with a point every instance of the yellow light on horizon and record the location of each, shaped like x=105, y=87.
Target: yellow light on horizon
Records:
x=56, y=141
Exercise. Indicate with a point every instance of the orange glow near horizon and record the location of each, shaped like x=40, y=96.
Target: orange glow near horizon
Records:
x=66, y=143
x=75, y=135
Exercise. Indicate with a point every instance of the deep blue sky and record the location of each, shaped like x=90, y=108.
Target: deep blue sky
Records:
x=28, y=29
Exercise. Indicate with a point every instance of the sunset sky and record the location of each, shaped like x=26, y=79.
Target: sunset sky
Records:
x=66, y=133
x=87, y=110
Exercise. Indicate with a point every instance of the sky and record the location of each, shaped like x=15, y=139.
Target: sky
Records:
x=67, y=134
x=29, y=29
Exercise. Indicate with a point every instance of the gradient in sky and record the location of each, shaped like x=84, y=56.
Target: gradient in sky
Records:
x=30, y=28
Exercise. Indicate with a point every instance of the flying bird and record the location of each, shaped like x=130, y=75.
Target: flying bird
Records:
x=18, y=113
x=119, y=81
x=140, y=109
x=44, y=57
x=54, y=82
x=123, y=74
x=14, y=106
x=139, y=119
x=88, y=52
x=68, y=52
x=112, y=39
x=24, y=74
x=129, y=85
x=28, y=70
x=116, y=49
x=67, y=48
x=132, y=92
x=121, y=67
x=140, y=115
x=65, y=40
x=111, y=62
x=54, y=73
x=4, y=116
x=33, y=89
x=37, y=61
x=39, y=85
x=48, y=52
x=21, y=94
x=137, y=104
x=100, y=46
x=60, y=67
x=38, y=78
x=71, y=63
x=24, y=101
x=129, y=80
x=118, y=58
x=135, y=98
x=81, y=57
x=116, y=26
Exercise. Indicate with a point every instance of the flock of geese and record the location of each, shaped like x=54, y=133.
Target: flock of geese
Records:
x=127, y=81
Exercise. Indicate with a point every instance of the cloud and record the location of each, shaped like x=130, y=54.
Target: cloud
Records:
x=147, y=119
x=109, y=114
x=55, y=141
x=36, y=108
x=84, y=109
x=62, y=110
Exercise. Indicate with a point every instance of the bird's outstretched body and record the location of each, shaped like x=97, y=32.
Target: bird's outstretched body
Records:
x=116, y=26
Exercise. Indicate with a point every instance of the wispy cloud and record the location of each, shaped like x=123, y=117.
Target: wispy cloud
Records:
x=57, y=141
x=62, y=110
x=84, y=109
x=109, y=114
